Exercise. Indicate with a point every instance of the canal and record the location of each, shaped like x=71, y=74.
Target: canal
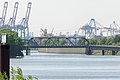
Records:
x=49, y=66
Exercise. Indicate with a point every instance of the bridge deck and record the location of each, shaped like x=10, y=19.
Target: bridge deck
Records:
x=91, y=47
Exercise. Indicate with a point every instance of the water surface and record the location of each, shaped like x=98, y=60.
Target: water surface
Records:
x=69, y=66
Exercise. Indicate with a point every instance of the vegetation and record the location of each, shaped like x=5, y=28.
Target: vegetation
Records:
x=113, y=40
x=16, y=75
x=14, y=41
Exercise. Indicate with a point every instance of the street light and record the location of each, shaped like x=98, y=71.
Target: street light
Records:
x=3, y=38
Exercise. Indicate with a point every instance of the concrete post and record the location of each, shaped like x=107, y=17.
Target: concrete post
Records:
x=5, y=59
x=103, y=52
x=27, y=51
x=113, y=52
x=88, y=51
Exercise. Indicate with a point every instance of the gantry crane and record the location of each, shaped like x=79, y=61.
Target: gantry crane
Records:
x=114, y=28
x=2, y=19
x=13, y=18
x=11, y=23
x=44, y=32
x=92, y=28
x=52, y=32
x=23, y=26
x=77, y=32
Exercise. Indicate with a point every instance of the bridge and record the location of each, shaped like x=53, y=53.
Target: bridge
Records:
x=67, y=42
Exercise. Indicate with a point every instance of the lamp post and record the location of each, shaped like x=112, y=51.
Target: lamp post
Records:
x=4, y=56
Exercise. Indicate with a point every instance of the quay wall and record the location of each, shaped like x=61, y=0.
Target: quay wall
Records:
x=63, y=50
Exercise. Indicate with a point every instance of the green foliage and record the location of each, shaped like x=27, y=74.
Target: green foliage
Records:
x=93, y=41
x=18, y=75
x=109, y=41
x=3, y=76
x=116, y=39
x=12, y=36
x=118, y=44
x=113, y=40
x=82, y=41
x=103, y=41
x=14, y=41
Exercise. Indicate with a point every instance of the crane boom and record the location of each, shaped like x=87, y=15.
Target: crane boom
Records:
x=13, y=19
x=28, y=10
x=4, y=13
x=26, y=19
x=78, y=31
x=52, y=31
x=15, y=12
x=42, y=30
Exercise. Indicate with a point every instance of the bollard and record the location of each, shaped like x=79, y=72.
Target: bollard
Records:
x=5, y=59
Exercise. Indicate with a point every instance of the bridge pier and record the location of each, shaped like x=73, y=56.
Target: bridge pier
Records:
x=88, y=51
x=113, y=52
x=27, y=51
x=103, y=52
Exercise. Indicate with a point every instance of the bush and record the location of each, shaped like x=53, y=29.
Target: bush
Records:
x=16, y=75
x=14, y=41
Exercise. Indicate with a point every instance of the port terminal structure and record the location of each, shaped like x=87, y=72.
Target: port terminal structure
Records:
x=22, y=28
x=92, y=29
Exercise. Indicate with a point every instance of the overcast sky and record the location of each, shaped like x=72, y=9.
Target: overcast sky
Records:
x=65, y=15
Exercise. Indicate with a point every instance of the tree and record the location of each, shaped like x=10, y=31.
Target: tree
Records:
x=109, y=40
x=116, y=39
x=103, y=41
x=14, y=41
x=93, y=41
x=16, y=74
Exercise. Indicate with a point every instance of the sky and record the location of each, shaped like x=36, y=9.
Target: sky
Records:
x=64, y=15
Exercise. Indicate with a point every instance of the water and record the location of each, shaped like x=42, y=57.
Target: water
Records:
x=69, y=66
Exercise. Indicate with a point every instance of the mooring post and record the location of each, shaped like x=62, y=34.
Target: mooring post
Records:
x=5, y=59
x=103, y=52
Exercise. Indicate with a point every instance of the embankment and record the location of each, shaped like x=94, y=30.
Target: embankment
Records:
x=63, y=50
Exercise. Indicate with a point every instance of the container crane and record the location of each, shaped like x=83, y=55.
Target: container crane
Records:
x=2, y=20
x=51, y=31
x=11, y=23
x=26, y=19
x=77, y=32
x=115, y=28
x=44, y=32
x=23, y=26
x=92, y=29
x=12, y=20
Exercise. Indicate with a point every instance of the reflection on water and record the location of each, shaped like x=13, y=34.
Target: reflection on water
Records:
x=69, y=66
